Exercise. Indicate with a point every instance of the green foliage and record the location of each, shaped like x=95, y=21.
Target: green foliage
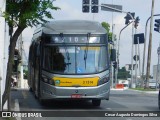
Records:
x=28, y=12
x=143, y=89
x=107, y=27
x=123, y=74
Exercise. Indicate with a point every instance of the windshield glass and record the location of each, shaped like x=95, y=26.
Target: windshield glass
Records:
x=70, y=59
x=96, y=60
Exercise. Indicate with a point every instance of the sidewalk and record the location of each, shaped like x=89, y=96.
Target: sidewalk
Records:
x=117, y=89
x=148, y=92
x=16, y=93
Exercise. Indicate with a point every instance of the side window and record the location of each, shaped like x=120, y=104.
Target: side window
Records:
x=47, y=58
x=33, y=53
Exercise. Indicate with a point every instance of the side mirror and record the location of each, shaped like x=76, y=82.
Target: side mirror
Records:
x=113, y=55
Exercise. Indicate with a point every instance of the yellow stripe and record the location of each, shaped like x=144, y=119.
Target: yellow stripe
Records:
x=88, y=82
x=90, y=48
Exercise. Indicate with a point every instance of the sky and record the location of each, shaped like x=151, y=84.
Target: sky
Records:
x=72, y=10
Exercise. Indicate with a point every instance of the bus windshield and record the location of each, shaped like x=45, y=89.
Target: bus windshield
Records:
x=70, y=59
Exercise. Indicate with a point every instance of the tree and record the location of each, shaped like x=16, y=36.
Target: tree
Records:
x=123, y=74
x=107, y=27
x=22, y=14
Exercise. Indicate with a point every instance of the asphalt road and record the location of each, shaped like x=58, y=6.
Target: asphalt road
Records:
x=127, y=100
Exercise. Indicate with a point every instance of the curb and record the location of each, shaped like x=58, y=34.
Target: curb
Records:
x=152, y=92
x=117, y=89
x=148, y=92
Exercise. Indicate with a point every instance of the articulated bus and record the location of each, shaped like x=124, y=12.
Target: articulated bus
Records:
x=69, y=59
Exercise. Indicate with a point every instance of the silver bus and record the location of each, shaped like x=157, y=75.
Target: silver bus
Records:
x=69, y=59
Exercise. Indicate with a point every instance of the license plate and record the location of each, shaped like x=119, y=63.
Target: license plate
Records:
x=76, y=96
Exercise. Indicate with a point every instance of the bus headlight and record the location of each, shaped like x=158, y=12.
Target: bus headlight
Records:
x=103, y=80
x=51, y=81
x=44, y=79
x=48, y=80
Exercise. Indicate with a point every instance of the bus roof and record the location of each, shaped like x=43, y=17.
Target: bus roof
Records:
x=73, y=27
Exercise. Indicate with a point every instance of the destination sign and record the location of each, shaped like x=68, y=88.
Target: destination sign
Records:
x=75, y=40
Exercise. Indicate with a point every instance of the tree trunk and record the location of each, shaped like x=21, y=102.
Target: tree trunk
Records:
x=12, y=46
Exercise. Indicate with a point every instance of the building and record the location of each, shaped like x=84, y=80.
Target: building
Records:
x=156, y=68
x=4, y=44
x=156, y=74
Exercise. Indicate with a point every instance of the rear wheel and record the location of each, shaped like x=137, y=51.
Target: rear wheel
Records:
x=96, y=102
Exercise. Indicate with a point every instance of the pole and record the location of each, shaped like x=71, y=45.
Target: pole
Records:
x=113, y=73
x=103, y=5
x=93, y=16
x=136, y=61
x=144, y=50
x=113, y=48
x=136, y=66
x=132, y=56
x=158, y=67
x=118, y=44
x=157, y=75
x=139, y=59
x=149, y=47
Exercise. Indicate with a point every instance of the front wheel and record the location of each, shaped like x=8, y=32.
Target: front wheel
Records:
x=96, y=102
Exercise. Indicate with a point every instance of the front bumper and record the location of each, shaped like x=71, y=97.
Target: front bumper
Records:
x=53, y=92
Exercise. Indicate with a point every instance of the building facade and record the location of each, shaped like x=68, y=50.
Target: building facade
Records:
x=4, y=44
x=156, y=72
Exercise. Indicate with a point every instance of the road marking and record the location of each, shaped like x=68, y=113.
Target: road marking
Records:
x=108, y=108
x=16, y=108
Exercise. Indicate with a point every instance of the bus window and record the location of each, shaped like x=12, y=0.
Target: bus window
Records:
x=71, y=60
x=96, y=59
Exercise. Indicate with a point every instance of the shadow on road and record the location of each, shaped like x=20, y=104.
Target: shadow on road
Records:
x=27, y=100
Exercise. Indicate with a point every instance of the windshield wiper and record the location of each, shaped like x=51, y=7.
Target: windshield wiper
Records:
x=86, y=49
x=66, y=50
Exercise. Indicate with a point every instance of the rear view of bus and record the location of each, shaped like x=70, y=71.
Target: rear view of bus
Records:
x=70, y=60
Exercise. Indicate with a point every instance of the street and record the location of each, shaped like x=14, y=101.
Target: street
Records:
x=126, y=100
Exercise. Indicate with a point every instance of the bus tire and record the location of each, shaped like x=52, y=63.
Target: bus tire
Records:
x=96, y=102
